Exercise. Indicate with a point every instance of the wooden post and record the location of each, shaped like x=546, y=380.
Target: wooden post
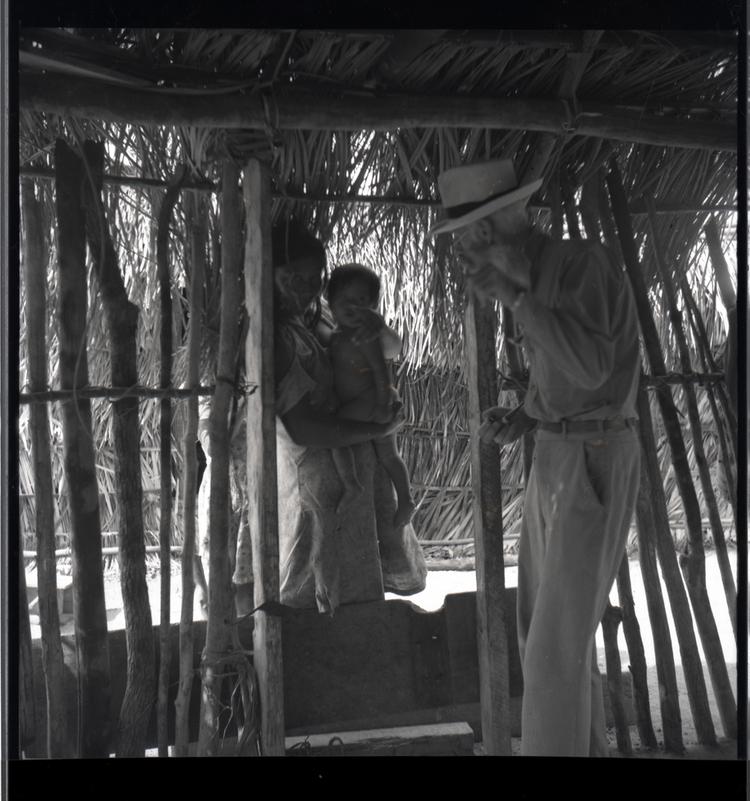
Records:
x=26, y=695
x=261, y=454
x=665, y=668
x=35, y=263
x=486, y=480
x=709, y=496
x=165, y=456
x=638, y=669
x=694, y=565
x=122, y=322
x=197, y=244
x=610, y=623
x=89, y=609
x=220, y=601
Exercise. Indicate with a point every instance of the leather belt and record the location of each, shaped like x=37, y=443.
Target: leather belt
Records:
x=584, y=426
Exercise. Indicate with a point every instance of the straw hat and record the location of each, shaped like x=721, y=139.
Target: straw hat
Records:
x=473, y=191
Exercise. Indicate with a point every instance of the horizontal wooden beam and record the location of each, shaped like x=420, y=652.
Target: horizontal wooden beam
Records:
x=637, y=207
x=297, y=109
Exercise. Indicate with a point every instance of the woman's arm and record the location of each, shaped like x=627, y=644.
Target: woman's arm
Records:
x=315, y=428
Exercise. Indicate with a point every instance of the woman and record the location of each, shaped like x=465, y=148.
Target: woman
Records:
x=327, y=557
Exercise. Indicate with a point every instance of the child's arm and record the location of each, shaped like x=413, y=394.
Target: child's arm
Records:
x=381, y=375
x=390, y=343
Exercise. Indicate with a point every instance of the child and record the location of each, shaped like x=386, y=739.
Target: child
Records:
x=363, y=379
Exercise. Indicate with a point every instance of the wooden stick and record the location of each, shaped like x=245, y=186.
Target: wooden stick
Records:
x=26, y=695
x=197, y=241
x=610, y=623
x=492, y=640
x=638, y=669
x=218, y=635
x=89, y=608
x=669, y=703
x=35, y=261
x=261, y=454
x=694, y=564
x=165, y=461
x=122, y=323
x=709, y=496
x=296, y=109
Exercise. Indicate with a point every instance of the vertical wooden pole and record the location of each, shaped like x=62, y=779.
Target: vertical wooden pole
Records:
x=638, y=669
x=486, y=480
x=26, y=695
x=89, y=609
x=709, y=496
x=122, y=324
x=165, y=456
x=694, y=565
x=197, y=241
x=610, y=623
x=35, y=263
x=220, y=607
x=261, y=455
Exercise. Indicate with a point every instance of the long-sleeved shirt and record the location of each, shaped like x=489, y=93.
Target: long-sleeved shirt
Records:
x=580, y=333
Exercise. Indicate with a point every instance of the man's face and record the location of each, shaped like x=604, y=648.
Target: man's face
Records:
x=494, y=242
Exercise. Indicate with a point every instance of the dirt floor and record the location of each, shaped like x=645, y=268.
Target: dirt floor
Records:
x=443, y=582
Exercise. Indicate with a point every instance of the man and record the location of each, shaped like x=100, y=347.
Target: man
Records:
x=579, y=329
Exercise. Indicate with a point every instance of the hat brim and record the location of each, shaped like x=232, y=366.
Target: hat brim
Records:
x=451, y=223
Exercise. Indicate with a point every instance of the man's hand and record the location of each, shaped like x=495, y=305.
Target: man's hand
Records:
x=503, y=425
x=502, y=274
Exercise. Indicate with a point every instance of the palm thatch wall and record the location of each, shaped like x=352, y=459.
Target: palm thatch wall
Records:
x=355, y=126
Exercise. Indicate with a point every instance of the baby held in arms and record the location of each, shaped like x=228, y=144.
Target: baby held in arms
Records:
x=363, y=381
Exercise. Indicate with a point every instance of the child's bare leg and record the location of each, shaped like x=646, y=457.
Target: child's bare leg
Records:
x=343, y=459
x=394, y=465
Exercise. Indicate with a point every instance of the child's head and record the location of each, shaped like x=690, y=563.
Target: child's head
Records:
x=352, y=286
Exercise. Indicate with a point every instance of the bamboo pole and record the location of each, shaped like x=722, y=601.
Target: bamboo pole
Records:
x=590, y=209
x=220, y=611
x=122, y=323
x=638, y=669
x=669, y=702
x=165, y=460
x=678, y=598
x=486, y=479
x=696, y=429
x=261, y=456
x=35, y=261
x=692, y=562
x=729, y=297
x=197, y=244
x=299, y=109
x=610, y=623
x=89, y=609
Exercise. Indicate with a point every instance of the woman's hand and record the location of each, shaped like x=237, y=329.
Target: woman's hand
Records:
x=503, y=425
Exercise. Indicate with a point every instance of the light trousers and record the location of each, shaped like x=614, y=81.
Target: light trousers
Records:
x=578, y=508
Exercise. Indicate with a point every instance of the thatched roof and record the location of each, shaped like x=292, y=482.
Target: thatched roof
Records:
x=356, y=125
